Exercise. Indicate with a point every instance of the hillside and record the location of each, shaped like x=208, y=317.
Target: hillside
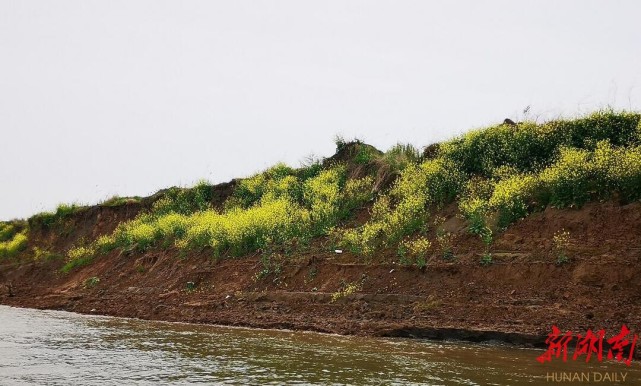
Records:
x=496, y=234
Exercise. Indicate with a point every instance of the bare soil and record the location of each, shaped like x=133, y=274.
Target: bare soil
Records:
x=515, y=299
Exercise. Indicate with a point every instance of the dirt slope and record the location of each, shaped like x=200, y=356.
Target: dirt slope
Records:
x=516, y=299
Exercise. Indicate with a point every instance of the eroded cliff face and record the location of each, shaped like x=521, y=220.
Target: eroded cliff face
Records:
x=516, y=298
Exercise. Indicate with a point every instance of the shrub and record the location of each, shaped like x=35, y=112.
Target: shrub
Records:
x=7, y=231
x=185, y=200
x=529, y=147
x=13, y=246
x=78, y=257
x=416, y=250
x=499, y=175
x=432, y=183
x=512, y=197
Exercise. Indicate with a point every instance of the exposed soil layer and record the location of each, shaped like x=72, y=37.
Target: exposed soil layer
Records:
x=515, y=299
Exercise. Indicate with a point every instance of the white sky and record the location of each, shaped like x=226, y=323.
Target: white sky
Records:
x=127, y=97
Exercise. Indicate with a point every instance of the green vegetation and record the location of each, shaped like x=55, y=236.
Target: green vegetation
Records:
x=416, y=251
x=117, y=200
x=495, y=176
x=347, y=289
x=274, y=209
x=16, y=243
x=190, y=286
x=44, y=254
x=92, y=282
x=486, y=259
x=49, y=219
x=7, y=231
x=404, y=210
x=561, y=242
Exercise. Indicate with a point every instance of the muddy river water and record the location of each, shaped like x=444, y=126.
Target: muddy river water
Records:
x=60, y=348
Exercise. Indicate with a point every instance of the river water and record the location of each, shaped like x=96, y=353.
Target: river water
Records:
x=60, y=348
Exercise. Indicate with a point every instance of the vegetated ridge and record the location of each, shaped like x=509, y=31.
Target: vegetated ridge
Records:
x=496, y=234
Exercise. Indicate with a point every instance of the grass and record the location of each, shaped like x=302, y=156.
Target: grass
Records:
x=57, y=217
x=495, y=175
x=118, y=201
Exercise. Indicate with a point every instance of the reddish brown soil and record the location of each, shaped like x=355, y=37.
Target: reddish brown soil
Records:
x=517, y=298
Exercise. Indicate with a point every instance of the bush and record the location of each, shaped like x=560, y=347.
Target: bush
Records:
x=185, y=201
x=7, y=231
x=512, y=197
x=13, y=246
x=274, y=209
x=529, y=147
x=499, y=175
x=432, y=183
x=416, y=250
x=576, y=177
x=78, y=257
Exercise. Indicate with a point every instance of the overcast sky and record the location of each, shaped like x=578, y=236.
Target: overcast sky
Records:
x=99, y=98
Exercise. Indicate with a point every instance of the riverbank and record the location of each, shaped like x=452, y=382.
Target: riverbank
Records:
x=515, y=299
x=497, y=234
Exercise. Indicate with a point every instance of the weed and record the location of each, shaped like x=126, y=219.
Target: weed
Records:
x=415, y=250
x=346, y=290
x=13, y=246
x=399, y=156
x=444, y=240
x=561, y=242
x=78, y=257
x=486, y=259
x=403, y=255
x=7, y=231
x=92, y=282
x=365, y=155
x=44, y=254
x=312, y=272
x=499, y=175
x=429, y=304
x=340, y=143
x=271, y=264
